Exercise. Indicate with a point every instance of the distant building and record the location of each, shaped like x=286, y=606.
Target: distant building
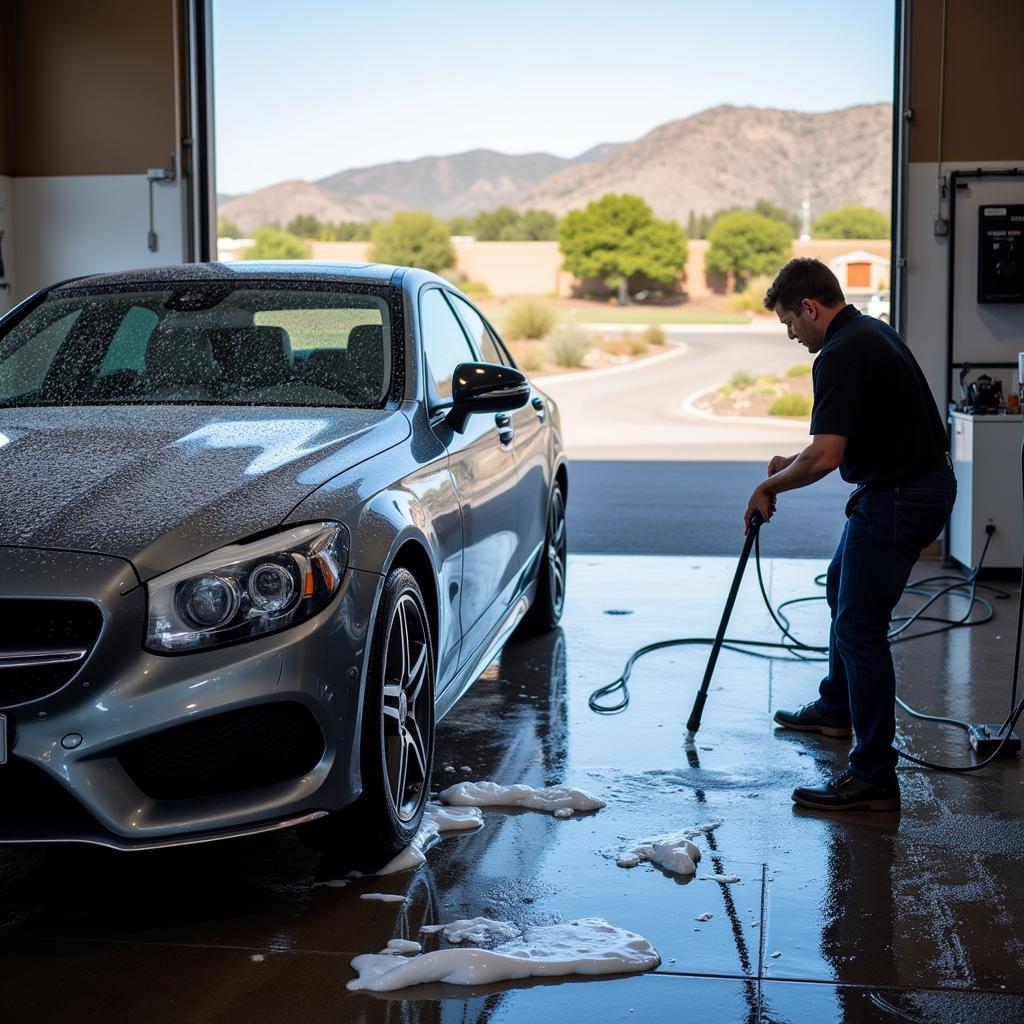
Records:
x=861, y=273
x=231, y=249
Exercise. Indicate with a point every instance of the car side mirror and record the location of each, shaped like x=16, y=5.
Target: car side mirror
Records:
x=485, y=387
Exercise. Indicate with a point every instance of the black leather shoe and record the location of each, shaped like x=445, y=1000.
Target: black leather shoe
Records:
x=808, y=719
x=846, y=792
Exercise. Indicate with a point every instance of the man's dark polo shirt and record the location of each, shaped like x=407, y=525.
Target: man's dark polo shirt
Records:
x=869, y=388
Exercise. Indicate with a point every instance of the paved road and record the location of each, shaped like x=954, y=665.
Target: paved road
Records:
x=636, y=412
x=648, y=477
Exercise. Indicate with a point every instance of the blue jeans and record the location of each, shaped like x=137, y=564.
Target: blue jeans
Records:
x=886, y=530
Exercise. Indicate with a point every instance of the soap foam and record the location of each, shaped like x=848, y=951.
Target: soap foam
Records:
x=672, y=852
x=480, y=930
x=401, y=946
x=550, y=800
x=589, y=946
x=436, y=819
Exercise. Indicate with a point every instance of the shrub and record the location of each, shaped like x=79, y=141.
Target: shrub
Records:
x=475, y=288
x=767, y=378
x=654, y=335
x=568, y=344
x=800, y=370
x=275, y=244
x=790, y=405
x=531, y=360
x=529, y=318
x=741, y=379
x=638, y=345
x=751, y=299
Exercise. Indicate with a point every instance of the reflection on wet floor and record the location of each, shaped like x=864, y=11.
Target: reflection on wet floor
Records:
x=917, y=916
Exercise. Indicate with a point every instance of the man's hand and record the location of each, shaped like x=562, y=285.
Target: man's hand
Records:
x=760, y=501
x=779, y=463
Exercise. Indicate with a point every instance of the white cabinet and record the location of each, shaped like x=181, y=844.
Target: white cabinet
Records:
x=986, y=454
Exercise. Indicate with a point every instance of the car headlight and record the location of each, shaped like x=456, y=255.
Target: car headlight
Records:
x=247, y=590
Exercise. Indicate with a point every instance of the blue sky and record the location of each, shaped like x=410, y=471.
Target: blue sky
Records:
x=308, y=87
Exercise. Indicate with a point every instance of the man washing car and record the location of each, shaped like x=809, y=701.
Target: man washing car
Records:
x=875, y=420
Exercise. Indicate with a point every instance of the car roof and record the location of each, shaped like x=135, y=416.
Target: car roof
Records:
x=262, y=270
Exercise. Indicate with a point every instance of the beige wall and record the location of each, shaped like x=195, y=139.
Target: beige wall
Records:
x=93, y=85
x=698, y=286
x=535, y=268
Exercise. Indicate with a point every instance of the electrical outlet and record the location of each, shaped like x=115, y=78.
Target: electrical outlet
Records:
x=985, y=740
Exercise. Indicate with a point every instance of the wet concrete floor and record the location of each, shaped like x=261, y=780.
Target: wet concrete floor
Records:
x=865, y=918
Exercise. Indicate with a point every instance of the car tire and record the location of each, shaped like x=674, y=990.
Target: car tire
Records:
x=546, y=611
x=396, y=736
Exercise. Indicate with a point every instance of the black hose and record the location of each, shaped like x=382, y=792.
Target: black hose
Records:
x=796, y=650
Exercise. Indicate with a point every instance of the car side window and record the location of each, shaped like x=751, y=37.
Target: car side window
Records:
x=444, y=342
x=478, y=331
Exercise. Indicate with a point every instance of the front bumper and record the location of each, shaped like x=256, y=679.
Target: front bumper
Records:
x=72, y=743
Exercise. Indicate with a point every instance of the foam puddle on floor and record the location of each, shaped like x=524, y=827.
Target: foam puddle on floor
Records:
x=674, y=851
x=436, y=820
x=460, y=811
x=588, y=946
x=561, y=801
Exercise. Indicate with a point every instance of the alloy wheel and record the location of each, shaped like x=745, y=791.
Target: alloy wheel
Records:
x=406, y=714
x=557, y=551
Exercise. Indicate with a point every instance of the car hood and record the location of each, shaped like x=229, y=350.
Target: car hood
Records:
x=160, y=485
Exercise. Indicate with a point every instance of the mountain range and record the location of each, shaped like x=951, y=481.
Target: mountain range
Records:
x=725, y=156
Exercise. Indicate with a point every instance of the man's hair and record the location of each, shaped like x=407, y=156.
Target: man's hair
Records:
x=803, y=278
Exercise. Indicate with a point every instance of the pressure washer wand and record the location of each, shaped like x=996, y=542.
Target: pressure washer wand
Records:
x=756, y=522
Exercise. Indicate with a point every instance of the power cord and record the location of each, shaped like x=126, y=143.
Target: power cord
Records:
x=796, y=650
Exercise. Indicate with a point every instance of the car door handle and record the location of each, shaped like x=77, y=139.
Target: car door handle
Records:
x=538, y=403
x=505, y=430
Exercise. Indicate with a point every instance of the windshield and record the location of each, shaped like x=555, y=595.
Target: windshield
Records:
x=202, y=344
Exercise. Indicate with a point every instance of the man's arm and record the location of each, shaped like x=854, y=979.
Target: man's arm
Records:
x=818, y=459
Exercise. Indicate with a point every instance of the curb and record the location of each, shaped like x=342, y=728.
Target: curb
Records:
x=688, y=406
x=753, y=327
x=677, y=349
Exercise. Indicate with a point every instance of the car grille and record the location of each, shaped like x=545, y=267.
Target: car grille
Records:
x=226, y=753
x=35, y=629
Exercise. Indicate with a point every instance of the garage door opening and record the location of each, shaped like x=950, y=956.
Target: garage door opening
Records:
x=614, y=202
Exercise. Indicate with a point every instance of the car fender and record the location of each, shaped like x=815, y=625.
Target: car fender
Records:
x=419, y=504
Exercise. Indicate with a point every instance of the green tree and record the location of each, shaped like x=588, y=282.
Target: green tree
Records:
x=539, y=226
x=275, y=244
x=491, y=223
x=616, y=237
x=744, y=243
x=462, y=226
x=304, y=225
x=768, y=209
x=227, y=229
x=851, y=222
x=413, y=238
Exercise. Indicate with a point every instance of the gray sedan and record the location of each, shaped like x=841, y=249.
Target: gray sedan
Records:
x=261, y=526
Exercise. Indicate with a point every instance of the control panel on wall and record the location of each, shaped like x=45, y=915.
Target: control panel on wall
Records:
x=1001, y=253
